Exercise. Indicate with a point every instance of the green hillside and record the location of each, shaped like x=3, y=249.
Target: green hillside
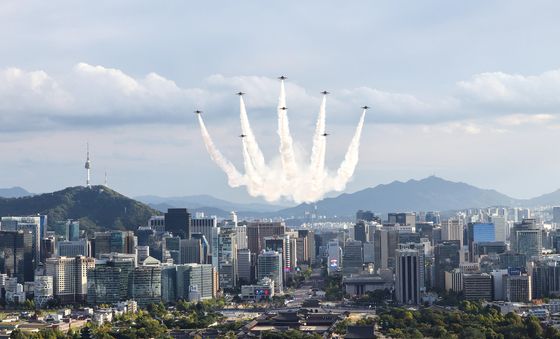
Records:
x=97, y=208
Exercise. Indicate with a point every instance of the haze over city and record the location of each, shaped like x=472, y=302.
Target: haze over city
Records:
x=464, y=91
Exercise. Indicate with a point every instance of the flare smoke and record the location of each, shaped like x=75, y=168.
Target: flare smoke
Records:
x=289, y=180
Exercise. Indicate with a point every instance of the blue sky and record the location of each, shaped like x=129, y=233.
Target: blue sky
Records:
x=467, y=91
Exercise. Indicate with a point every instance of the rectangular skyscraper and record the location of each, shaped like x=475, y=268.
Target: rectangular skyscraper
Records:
x=178, y=222
x=409, y=275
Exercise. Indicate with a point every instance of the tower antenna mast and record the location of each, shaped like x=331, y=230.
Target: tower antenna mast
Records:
x=88, y=167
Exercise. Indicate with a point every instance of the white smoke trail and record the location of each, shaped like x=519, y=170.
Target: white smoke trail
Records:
x=286, y=144
x=347, y=167
x=317, y=166
x=283, y=178
x=253, y=150
x=254, y=181
x=235, y=179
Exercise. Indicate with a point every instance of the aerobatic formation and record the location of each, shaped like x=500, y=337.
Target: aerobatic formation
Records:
x=289, y=179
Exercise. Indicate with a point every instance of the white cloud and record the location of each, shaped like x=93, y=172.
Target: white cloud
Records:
x=507, y=92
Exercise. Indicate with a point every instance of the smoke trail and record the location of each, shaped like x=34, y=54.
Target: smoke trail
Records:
x=253, y=150
x=235, y=179
x=254, y=181
x=347, y=167
x=317, y=167
x=286, y=144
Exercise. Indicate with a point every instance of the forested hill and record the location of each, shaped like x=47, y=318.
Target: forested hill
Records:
x=97, y=208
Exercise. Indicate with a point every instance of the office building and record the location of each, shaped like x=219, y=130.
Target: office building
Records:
x=477, y=286
x=479, y=232
x=556, y=215
x=353, y=258
x=409, y=278
x=32, y=224
x=546, y=277
x=517, y=287
x=452, y=229
x=500, y=227
x=269, y=264
x=72, y=230
x=433, y=217
x=227, y=259
x=146, y=282
x=498, y=283
x=454, y=280
x=16, y=255
x=526, y=238
x=244, y=267
x=43, y=290
x=263, y=290
x=511, y=259
x=334, y=256
x=386, y=240
x=193, y=282
x=361, y=231
x=69, y=277
x=404, y=219
x=178, y=222
x=257, y=231
x=157, y=223
x=365, y=216
x=113, y=242
x=447, y=257
x=73, y=248
x=191, y=252
x=48, y=247
x=104, y=284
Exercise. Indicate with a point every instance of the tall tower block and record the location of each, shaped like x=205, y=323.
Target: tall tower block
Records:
x=88, y=167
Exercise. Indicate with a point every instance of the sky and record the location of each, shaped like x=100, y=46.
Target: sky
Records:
x=466, y=91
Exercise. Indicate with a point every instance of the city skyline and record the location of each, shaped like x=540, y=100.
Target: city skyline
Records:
x=449, y=95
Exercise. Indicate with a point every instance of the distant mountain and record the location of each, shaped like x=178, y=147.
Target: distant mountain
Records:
x=98, y=208
x=431, y=193
x=14, y=192
x=204, y=201
x=549, y=199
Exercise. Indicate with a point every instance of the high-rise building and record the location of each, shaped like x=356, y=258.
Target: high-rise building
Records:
x=33, y=224
x=69, y=277
x=74, y=248
x=16, y=255
x=244, y=267
x=43, y=290
x=353, y=258
x=178, y=222
x=361, y=231
x=334, y=256
x=146, y=282
x=126, y=263
x=258, y=230
x=386, y=240
x=546, y=277
x=556, y=215
x=269, y=264
x=227, y=259
x=511, y=259
x=447, y=257
x=104, y=285
x=364, y=216
x=433, y=216
x=409, y=277
x=526, y=238
x=479, y=232
x=452, y=229
x=72, y=230
x=517, y=287
x=477, y=286
x=48, y=247
x=498, y=283
x=405, y=219
x=454, y=280
x=191, y=252
x=113, y=242
x=192, y=282
x=500, y=227
x=157, y=223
